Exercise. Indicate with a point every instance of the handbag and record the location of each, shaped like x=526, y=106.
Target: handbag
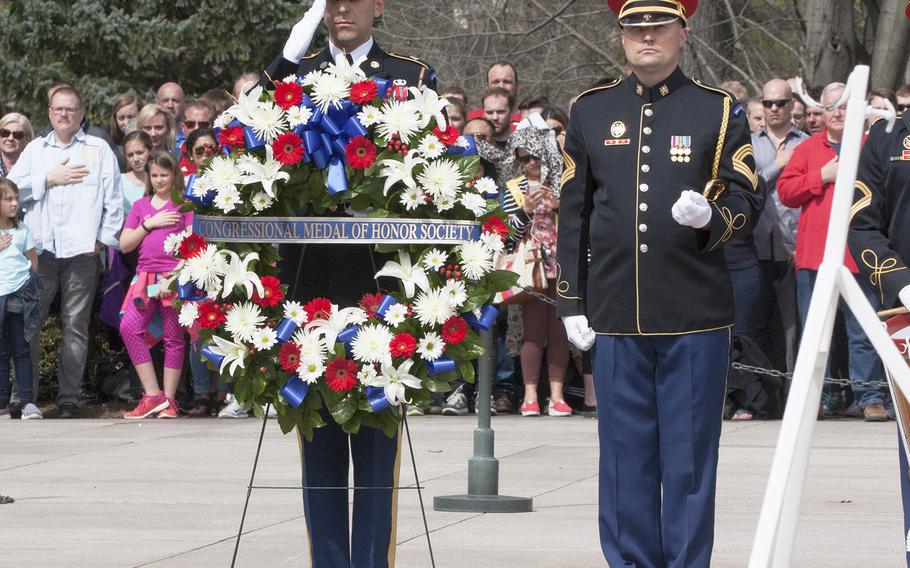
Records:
x=526, y=261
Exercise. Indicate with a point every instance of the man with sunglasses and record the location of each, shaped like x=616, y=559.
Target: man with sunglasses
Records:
x=659, y=176
x=903, y=100
x=196, y=114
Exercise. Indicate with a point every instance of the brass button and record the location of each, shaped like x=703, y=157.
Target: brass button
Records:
x=643, y=248
x=643, y=228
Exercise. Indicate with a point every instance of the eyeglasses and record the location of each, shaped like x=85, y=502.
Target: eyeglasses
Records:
x=203, y=150
x=197, y=124
x=64, y=110
x=779, y=103
x=525, y=158
x=16, y=134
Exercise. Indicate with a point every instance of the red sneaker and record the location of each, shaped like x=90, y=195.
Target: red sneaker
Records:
x=530, y=409
x=559, y=408
x=147, y=406
x=170, y=411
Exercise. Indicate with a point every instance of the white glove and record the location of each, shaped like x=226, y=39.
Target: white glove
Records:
x=692, y=210
x=904, y=295
x=579, y=332
x=302, y=33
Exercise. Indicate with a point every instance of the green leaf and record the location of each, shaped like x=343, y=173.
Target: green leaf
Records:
x=499, y=280
x=467, y=371
x=344, y=410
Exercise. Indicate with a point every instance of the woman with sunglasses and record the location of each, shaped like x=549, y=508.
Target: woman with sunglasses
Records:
x=15, y=134
x=201, y=146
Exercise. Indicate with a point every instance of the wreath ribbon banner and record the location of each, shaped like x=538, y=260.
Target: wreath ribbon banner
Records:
x=349, y=230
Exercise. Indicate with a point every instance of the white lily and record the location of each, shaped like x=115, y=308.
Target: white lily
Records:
x=430, y=106
x=246, y=105
x=267, y=173
x=233, y=353
x=394, y=380
x=350, y=72
x=238, y=272
x=329, y=329
x=395, y=171
x=411, y=275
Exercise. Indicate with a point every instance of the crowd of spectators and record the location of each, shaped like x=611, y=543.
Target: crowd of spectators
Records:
x=88, y=239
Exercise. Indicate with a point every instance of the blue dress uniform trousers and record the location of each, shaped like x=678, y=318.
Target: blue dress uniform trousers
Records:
x=905, y=491
x=370, y=543
x=659, y=400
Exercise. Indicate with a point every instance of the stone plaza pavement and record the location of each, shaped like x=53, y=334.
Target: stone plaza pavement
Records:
x=110, y=493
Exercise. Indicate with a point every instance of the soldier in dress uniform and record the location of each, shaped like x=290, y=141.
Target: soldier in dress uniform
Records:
x=660, y=173
x=343, y=273
x=879, y=239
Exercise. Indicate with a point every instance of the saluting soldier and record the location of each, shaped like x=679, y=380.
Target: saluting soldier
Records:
x=660, y=173
x=343, y=273
x=879, y=240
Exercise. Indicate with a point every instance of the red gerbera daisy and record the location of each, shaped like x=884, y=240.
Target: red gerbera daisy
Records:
x=361, y=153
x=454, y=330
x=231, y=137
x=370, y=303
x=271, y=288
x=289, y=357
x=403, y=345
x=494, y=224
x=288, y=149
x=449, y=136
x=192, y=246
x=341, y=374
x=318, y=309
x=363, y=92
x=211, y=315
x=288, y=95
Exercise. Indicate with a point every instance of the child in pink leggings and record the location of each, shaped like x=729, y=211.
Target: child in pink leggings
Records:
x=150, y=221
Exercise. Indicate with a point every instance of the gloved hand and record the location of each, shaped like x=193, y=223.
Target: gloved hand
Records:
x=579, y=332
x=904, y=295
x=302, y=33
x=692, y=210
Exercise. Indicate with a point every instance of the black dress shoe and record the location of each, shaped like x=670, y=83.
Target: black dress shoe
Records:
x=69, y=410
x=15, y=411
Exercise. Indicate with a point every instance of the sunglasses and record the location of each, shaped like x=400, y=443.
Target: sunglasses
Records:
x=779, y=103
x=206, y=149
x=525, y=158
x=195, y=124
x=16, y=134
x=903, y=108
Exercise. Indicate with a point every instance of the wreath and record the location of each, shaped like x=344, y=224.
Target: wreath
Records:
x=329, y=140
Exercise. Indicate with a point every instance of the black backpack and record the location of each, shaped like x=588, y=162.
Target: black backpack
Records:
x=760, y=394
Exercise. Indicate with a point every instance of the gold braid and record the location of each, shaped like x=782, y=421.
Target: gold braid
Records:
x=725, y=122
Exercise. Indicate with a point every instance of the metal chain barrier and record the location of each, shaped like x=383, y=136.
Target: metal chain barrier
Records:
x=789, y=377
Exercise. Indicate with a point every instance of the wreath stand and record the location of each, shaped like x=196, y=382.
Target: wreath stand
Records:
x=773, y=545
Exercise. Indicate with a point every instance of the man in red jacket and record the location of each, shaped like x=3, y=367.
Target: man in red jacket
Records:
x=808, y=182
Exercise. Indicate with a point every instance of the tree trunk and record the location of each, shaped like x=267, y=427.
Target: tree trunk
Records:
x=892, y=34
x=831, y=45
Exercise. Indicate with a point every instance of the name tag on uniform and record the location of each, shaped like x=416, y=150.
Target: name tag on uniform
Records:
x=91, y=153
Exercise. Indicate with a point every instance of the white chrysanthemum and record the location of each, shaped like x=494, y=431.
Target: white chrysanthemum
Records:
x=205, y=269
x=289, y=79
x=434, y=259
x=367, y=376
x=173, y=241
x=295, y=312
x=264, y=338
x=486, y=185
x=441, y=178
x=476, y=260
x=433, y=307
x=431, y=346
x=223, y=120
x=475, y=203
x=412, y=198
x=243, y=320
x=202, y=186
x=401, y=118
x=310, y=343
x=369, y=116
x=267, y=121
x=444, y=203
x=430, y=147
x=298, y=115
x=310, y=78
x=396, y=315
x=262, y=201
x=372, y=344
x=329, y=90
x=222, y=172
x=493, y=242
x=311, y=368
x=456, y=292
x=227, y=199
x=189, y=312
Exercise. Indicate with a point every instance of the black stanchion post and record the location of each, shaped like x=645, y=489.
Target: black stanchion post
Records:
x=483, y=468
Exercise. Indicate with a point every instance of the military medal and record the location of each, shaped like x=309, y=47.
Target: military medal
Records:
x=680, y=148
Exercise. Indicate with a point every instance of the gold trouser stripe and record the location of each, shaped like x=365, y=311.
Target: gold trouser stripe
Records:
x=721, y=138
x=863, y=201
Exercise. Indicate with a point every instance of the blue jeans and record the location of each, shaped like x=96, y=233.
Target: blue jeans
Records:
x=749, y=299
x=13, y=344
x=865, y=364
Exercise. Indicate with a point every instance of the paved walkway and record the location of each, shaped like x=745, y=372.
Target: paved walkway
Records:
x=108, y=493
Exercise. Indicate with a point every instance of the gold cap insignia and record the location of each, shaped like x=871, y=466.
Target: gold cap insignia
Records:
x=617, y=129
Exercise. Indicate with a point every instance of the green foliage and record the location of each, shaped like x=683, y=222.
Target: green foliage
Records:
x=106, y=47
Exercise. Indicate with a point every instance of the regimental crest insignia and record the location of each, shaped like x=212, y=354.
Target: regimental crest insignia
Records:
x=618, y=129
x=907, y=143
x=680, y=149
